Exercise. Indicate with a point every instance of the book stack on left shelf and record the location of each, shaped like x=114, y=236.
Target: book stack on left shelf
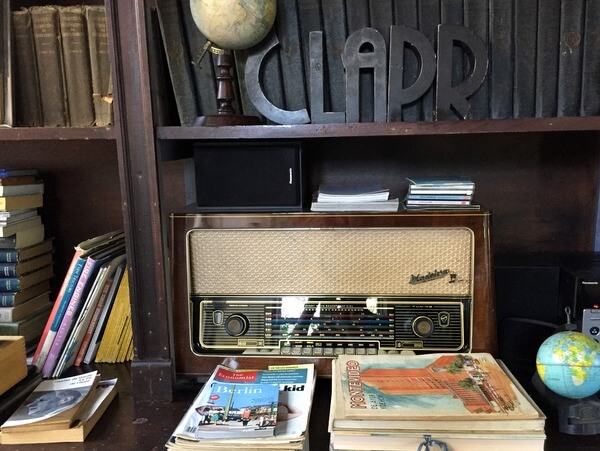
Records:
x=357, y=198
x=466, y=401
x=435, y=193
x=250, y=410
x=59, y=410
x=25, y=256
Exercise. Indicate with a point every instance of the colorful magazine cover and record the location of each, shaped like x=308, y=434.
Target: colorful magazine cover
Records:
x=447, y=386
x=295, y=384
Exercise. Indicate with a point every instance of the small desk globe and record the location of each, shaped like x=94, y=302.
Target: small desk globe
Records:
x=234, y=24
x=231, y=25
x=568, y=363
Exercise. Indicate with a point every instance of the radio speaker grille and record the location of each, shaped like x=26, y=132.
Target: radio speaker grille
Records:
x=336, y=261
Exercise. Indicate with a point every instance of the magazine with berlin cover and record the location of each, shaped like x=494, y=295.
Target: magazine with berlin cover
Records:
x=295, y=384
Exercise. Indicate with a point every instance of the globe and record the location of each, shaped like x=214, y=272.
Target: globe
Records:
x=234, y=24
x=568, y=363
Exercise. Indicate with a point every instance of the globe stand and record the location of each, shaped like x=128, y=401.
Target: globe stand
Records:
x=226, y=114
x=574, y=416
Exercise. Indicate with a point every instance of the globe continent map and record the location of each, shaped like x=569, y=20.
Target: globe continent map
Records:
x=568, y=363
x=234, y=24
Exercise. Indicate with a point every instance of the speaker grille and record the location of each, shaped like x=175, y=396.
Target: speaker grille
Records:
x=336, y=261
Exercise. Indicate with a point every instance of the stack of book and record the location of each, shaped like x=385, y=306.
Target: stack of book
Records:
x=440, y=193
x=249, y=409
x=62, y=66
x=86, y=295
x=354, y=198
x=25, y=256
x=62, y=410
x=467, y=401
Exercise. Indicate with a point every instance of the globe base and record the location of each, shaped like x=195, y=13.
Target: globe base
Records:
x=220, y=120
x=580, y=416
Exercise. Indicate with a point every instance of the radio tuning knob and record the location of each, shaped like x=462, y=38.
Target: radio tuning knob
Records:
x=422, y=326
x=236, y=325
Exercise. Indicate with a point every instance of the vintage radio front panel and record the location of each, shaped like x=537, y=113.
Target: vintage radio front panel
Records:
x=311, y=286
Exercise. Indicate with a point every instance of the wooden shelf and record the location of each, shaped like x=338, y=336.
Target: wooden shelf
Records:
x=58, y=133
x=320, y=131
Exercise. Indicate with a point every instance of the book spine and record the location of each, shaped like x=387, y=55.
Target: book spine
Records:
x=58, y=309
x=10, y=284
x=76, y=60
x=501, y=57
x=8, y=269
x=85, y=342
x=525, y=47
x=476, y=18
x=100, y=65
x=590, y=88
x=46, y=34
x=7, y=299
x=169, y=19
x=28, y=106
x=69, y=317
x=546, y=80
x=570, y=59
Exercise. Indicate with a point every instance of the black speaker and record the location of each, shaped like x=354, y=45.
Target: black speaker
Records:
x=256, y=176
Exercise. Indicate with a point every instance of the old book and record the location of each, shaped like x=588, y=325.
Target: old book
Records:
x=546, y=79
x=21, y=202
x=17, y=180
x=571, y=58
x=11, y=216
x=23, y=238
x=476, y=17
x=501, y=59
x=429, y=392
x=25, y=253
x=11, y=314
x=14, y=298
x=54, y=404
x=76, y=61
x=26, y=280
x=14, y=227
x=29, y=327
x=46, y=34
x=100, y=66
x=28, y=103
x=525, y=33
x=178, y=60
x=99, y=400
x=13, y=397
x=13, y=361
x=21, y=189
x=590, y=88
x=21, y=267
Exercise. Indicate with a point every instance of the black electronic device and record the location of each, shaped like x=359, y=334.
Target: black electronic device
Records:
x=249, y=176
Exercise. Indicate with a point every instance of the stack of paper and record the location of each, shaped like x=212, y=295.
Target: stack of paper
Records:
x=354, y=198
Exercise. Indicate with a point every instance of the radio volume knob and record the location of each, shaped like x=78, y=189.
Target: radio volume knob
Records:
x=236, y=325
x=422, y=326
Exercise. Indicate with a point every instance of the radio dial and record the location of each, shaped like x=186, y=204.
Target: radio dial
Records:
x=236, y=325
x=422, y=326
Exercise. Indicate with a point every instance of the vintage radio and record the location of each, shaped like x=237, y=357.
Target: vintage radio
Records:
x=314, y=286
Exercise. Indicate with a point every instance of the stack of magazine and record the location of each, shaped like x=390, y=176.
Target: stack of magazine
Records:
x=367, y=198
x=249, y=409
x=466, y=401
x=434, y=193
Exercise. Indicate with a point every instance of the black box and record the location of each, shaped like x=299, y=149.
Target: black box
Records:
x=254, y=176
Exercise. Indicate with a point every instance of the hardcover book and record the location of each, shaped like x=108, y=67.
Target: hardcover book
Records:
x=33, y=305
x=455, y=392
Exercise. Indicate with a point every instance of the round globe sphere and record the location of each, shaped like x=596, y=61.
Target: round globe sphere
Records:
x=234, y=24
x=568, y=363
